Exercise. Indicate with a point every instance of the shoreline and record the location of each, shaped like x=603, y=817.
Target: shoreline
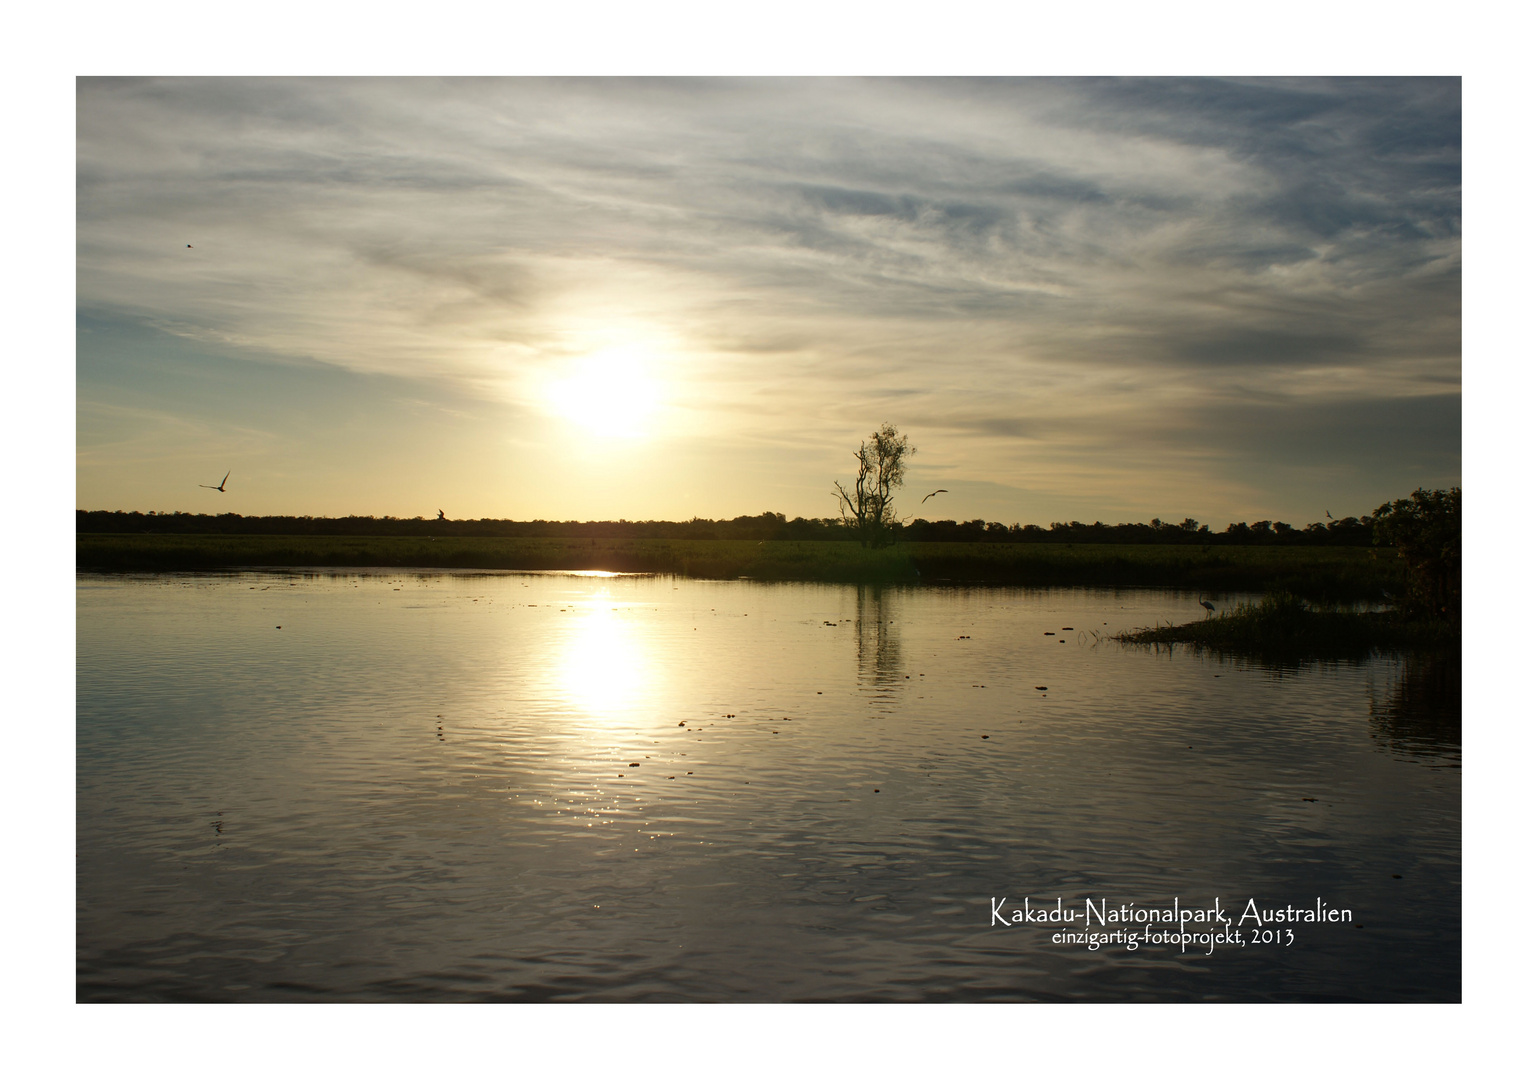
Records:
x=1323, y=573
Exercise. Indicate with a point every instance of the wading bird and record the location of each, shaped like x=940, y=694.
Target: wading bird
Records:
x=931, y=495
x=1206, y=604
x=211, y=487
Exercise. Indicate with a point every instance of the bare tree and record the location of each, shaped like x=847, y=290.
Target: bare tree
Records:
x=868, y=509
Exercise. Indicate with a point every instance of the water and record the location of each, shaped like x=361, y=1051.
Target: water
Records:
x=434, y=786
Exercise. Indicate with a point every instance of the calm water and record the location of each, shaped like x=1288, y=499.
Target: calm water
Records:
x=551, y=787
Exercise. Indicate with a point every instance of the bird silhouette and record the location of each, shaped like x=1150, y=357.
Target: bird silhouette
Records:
x=932, y=494
x=1206, y=604
x=221, y=482
x=440, y=515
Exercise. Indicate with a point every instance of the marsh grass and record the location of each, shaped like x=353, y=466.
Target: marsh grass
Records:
x=1283, y=626
x=1330, y=574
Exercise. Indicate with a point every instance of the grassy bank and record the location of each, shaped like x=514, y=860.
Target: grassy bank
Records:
x=1322, y=572
x=1283, y=626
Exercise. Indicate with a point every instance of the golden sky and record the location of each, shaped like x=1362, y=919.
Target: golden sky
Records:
x=605, y=298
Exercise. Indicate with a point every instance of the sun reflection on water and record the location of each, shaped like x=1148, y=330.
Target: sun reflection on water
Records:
x=603, y=670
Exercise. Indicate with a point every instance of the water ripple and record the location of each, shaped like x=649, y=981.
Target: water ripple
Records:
x=546, y=788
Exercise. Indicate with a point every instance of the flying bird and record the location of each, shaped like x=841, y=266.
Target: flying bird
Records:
x=221, y=482
x=932, y=494
x=440, y=515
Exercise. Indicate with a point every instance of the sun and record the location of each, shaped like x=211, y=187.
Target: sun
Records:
x=609, y=393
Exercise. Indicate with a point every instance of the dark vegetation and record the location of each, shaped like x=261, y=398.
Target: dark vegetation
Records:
x=1332, y=563
x=1346, y=532
x=1283, y=626
x=1329, y=573
x=1425, y=533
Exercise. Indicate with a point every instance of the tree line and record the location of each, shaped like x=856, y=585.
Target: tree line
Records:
x=1425, y=530
x=766, y=526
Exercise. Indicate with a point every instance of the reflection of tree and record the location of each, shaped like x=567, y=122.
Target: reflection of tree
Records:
x=878, y=653
x=1423, y=713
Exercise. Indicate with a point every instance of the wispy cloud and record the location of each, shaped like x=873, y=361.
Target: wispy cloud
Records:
x=1042, y=258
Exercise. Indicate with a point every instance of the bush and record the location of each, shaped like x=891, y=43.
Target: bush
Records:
x=1427, y=530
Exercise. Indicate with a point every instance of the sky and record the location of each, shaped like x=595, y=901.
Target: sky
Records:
x=663, y=298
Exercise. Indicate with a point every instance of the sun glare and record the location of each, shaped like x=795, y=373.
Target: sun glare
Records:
x=610, y=393
x=604, y=667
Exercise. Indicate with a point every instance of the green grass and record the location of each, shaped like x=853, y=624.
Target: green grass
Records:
x=1285, y=627
x=1329, y=573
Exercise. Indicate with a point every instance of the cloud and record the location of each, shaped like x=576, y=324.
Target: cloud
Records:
x=1005, y=250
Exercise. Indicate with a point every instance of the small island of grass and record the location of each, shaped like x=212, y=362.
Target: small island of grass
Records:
x=1284, y=625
